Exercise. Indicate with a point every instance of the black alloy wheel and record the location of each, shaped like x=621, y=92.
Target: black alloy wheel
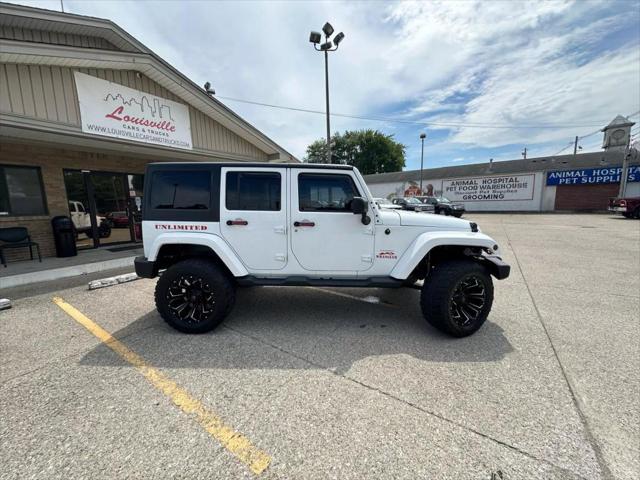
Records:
x=190, y=299
x=195, y=295
x=468, y=300
x=457, y=296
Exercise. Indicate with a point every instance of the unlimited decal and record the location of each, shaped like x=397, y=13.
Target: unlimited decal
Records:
x=113, y=110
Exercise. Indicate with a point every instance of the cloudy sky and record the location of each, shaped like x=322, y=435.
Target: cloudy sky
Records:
x=467, y=73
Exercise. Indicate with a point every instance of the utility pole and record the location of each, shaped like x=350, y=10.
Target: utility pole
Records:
x=524, y=153
x=625, y=171
x=422, y=137
x=326, y=47
x=575, y=146
x=326, y=86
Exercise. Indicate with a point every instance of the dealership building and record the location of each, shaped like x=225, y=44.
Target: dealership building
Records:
x=580, y=182
x=84, y=107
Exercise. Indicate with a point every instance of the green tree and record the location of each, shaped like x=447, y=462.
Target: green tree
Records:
x=370, y=151
x=317, y=152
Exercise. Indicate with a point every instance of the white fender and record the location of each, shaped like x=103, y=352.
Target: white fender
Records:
x=426, y=241
x=214, y=242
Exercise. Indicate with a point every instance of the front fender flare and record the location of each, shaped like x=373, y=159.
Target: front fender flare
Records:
x=426, y=241
x=214, y=242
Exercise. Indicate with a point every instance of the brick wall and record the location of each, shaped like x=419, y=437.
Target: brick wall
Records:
x=52, y=162
x=585, y=197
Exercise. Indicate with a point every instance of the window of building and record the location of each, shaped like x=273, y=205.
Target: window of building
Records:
x=257, y=191
x=21, y=191
x=190, y=190
x=325, y=192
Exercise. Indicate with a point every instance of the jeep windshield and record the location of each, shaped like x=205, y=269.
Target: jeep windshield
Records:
x=413, y=200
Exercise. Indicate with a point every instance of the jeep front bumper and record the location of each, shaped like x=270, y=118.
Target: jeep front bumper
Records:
x=496, y=266
x=145, y=268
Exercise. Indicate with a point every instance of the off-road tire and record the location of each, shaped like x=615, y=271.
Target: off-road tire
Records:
x=636, y=213
x=446, y=282
x=212, y=295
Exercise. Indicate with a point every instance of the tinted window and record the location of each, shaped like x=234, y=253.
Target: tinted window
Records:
x=21, y=191
x=253, y=191
x=330, y=193
x=181, y=190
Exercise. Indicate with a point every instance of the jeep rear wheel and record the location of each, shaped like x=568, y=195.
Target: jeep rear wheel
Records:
x=457, y=297
x=194, y=296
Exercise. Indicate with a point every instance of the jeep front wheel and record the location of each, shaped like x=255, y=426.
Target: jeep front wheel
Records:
x=457, y=297
x=194, y=296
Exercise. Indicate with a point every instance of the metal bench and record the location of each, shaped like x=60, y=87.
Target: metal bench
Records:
x=16, y=237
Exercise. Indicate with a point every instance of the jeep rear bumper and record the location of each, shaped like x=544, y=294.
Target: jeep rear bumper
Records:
x=145, y=268
x=496, y=266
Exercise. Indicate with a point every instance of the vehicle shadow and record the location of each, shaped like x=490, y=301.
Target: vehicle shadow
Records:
x=285, y=328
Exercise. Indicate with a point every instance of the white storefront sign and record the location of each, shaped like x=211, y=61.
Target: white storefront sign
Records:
x=488, y=189
x=112, y=110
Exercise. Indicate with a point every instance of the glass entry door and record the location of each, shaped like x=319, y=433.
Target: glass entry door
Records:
x=111, y=207
x=99, y=207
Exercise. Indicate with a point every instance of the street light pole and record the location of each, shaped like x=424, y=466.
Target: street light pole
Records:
x=326, y=84
x=326, y=47
x=422, y=137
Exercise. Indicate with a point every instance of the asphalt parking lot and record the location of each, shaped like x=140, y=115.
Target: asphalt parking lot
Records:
x=319, y=383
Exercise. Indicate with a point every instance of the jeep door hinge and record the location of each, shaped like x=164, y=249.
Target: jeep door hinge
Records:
x=367, y=258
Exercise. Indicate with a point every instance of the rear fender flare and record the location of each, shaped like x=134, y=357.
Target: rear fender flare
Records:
x=429, y=240
x=214, y=242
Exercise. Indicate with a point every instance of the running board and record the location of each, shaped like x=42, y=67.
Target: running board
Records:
x=302, y=281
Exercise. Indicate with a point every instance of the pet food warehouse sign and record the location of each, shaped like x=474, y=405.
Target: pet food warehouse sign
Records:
x=507, y=187
x=591, y=176
x=113, y=110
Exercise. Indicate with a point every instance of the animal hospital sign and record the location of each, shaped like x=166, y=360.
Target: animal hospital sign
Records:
x=113, y=110
x=591, y=176
x=495, y=188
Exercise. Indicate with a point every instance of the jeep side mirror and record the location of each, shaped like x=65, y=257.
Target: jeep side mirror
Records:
x=359, y=207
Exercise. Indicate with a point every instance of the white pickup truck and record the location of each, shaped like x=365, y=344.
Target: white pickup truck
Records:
x=213, y=227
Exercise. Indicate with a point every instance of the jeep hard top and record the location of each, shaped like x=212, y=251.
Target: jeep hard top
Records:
x=210, y=228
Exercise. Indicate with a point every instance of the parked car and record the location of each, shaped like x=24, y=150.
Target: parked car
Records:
x=386, y=203
x=81, y=220
x=118, y=219
x=317, y=225
x=413, y=204
x=444, y=206
x=629, y=207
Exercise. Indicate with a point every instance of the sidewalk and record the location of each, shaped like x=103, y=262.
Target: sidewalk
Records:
x=87, y=261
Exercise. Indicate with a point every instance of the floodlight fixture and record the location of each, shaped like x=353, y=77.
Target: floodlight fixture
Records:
x=328, y=29
x=315, y=37
x=338, y=38
x=326, y=46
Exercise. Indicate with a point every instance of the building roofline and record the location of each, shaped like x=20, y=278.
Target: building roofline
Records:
x=100, y=24
x=506, y=167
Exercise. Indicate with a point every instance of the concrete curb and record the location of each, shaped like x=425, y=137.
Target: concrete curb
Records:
x=107, y=282
x=58, y=273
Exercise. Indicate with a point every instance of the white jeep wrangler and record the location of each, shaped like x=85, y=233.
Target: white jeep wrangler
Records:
x=213, y=227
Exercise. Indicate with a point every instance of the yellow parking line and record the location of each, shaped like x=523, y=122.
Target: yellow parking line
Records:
x=233, y=441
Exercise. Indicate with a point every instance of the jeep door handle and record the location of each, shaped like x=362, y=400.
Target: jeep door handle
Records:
x=304, y=223
x=237, y=222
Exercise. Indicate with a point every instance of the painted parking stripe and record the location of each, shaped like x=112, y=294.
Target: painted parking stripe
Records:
x=369, y=299
x=233, y=441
